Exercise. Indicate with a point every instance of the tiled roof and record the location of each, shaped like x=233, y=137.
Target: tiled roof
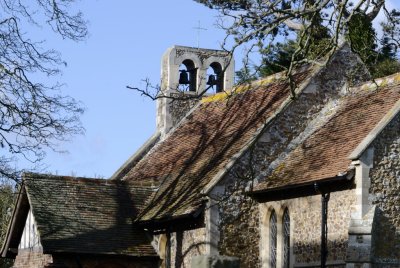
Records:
x=203, y=144
x=325, y=154
x=87, y=215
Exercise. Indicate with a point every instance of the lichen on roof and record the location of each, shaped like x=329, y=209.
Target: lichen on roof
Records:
x=221, y=96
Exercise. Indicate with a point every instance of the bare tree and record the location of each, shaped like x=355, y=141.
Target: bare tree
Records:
x=259, y=24
x=34, y=115
x=312, y=31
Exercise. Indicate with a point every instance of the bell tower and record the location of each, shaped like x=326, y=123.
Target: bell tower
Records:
x=187, y=74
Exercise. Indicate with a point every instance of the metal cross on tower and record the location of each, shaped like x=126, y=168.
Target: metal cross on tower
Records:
x=199, y=28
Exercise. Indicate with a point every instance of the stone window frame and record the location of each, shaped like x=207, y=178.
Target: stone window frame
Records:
x=285, y=242
x=266, y=211
x=273, y=239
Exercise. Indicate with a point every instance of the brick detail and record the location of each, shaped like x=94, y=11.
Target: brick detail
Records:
x=29, y=259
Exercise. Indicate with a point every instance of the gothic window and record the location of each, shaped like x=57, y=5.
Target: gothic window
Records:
x=187, y=76
x=273, y=231
x=286, y=239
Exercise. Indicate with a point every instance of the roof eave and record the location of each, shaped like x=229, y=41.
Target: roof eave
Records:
x=185, y=221
x=333, y=184
x=67, y=252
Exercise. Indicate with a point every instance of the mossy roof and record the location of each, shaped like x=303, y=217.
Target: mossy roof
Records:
x=203, y=145
x=81, y=215
x=326, y=153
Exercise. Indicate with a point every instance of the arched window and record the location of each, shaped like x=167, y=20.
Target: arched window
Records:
x=215, y=78
x=286, y=239
x=273, y=231
x=187, y=76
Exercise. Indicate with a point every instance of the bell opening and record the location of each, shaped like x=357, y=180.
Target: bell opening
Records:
x=215, y=78
x=187, y=76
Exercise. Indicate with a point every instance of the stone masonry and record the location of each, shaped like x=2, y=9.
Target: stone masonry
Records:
x=187, y=244
x=384, y=194
x=305, y=219
x=239, y=226
x=239, y=214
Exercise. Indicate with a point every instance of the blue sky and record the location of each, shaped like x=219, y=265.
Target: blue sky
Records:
x=126, y=42
x=125, y=45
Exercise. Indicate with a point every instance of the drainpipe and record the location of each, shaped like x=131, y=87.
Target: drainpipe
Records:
x=324, y=225
x=324, y=228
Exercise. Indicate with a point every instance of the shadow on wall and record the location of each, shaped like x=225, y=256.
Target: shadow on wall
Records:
x=385, y=241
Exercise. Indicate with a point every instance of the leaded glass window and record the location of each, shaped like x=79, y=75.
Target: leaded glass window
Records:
x=272, y=239
x=286, y=239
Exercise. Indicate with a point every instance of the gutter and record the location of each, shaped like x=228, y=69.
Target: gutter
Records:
x=162, y=225
x=337, y=183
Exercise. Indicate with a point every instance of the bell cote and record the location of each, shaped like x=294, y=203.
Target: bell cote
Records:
x=196, y=70
x=188, y=71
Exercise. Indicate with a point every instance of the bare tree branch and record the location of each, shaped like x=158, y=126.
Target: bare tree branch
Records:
x=34, y=116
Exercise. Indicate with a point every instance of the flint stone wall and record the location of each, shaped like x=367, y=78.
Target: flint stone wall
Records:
x=240, y=231
x=186, y=245
x=180, y=105
x=208, y=261
x=385, y=194
x=239, y=214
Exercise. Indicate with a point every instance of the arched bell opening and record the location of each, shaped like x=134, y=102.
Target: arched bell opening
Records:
x=215, y=78
x=187, y=76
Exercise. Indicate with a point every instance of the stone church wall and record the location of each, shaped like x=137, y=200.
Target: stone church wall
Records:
x=180, y=105
x=239, y=214
x=240, y=217
x=240, y=234
x=245, y=236
x=185, y=245
x=385, y=194
x=305, y=228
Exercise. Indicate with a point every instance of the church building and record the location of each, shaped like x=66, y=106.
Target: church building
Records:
x=274, y=173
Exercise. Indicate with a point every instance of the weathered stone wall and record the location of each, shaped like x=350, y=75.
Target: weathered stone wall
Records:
x=28, y=259
x=385, y=194
x=239, y=215
x=242, y=237
x=180, y=105
x=316, y=104
x=305, y=214
x=187, y=244
x=239, y=230
x=172, y=108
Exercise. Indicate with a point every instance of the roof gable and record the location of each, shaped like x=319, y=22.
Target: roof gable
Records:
x=90, y=216
x=325, y=154
x=196, y=151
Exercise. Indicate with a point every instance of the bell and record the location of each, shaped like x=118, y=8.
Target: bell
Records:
x=184, y=78
x=212, y=80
